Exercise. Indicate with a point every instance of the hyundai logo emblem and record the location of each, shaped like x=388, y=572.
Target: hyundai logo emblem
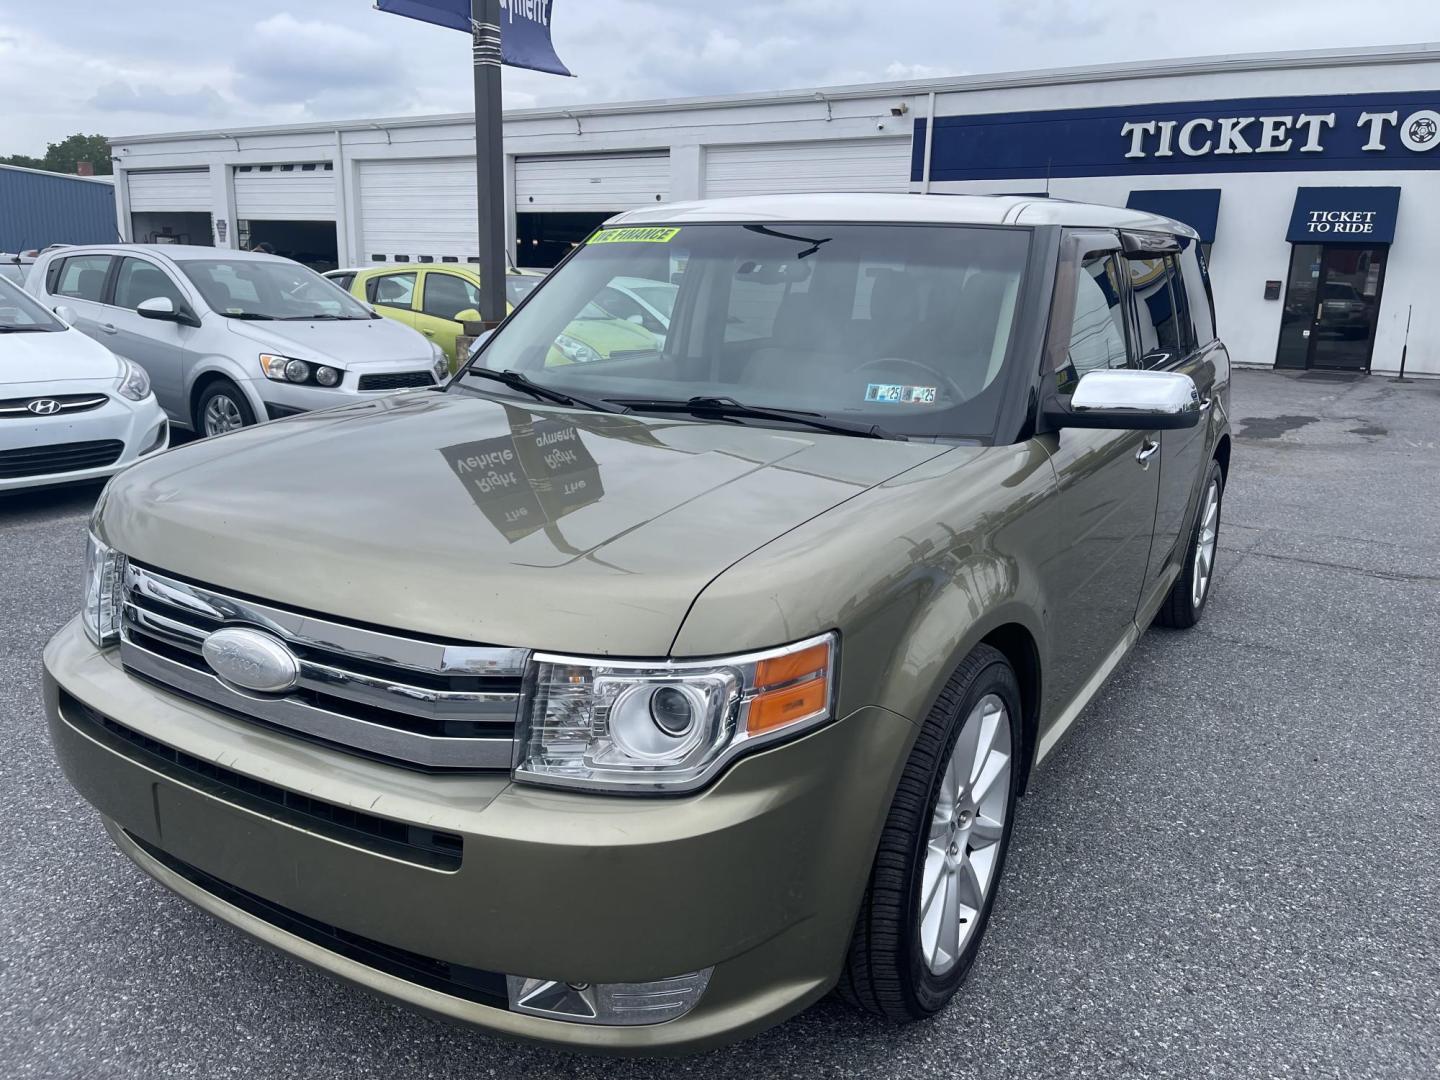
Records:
x=44, y=406
x=251, y=660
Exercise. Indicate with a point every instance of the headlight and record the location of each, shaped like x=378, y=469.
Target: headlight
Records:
x=637, y=726
x=299, y=372
x=441, y=363
x=577, y=352
x=134, y=383
x=104, y=581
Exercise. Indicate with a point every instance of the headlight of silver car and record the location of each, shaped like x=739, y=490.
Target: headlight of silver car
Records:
x=104, y=582
x=638, y=726
x=134, y=383
x=441, y=363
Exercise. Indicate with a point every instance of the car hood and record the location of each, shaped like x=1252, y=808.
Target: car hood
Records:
x=352, y=343
x=64, y=356
x=460, y=517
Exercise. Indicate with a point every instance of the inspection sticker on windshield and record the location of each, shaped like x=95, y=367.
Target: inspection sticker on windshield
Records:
x=635, y=235
x=892, y=394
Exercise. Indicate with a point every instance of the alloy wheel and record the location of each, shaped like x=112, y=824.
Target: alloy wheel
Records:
x=1205, y=544
x=222, y=415
x=966, y=827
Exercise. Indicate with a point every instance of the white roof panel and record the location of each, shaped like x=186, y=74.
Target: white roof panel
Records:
x=905, y=209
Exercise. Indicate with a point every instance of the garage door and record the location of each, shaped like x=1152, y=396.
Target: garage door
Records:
x=841, y=165
x=300, y=191
x=418, y=208
x=591, y=182
x=158, y=190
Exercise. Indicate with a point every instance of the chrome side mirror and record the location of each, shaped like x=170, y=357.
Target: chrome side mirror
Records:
x=1128, y=400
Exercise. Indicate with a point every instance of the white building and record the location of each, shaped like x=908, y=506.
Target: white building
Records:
x=1315, y=176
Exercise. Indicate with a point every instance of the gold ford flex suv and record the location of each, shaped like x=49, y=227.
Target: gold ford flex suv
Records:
x=635, y=704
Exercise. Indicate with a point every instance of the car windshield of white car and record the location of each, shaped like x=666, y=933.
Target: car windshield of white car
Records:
x=265, y=289
x=903, y=327
x=19, y=314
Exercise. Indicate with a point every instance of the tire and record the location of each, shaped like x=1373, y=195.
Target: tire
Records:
x=220, y=401
x=1186, y=602
x=893, y=969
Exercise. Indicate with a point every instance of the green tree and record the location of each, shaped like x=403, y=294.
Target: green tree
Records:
x=65, y=155
x=25, y=161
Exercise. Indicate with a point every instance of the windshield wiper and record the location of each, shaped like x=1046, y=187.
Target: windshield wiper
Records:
x=253, y=316
x=729, y=408
x=516, y=381
x=322, y=318
x=25, y=329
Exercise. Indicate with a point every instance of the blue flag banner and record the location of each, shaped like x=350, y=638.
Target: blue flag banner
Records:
x=524, y=27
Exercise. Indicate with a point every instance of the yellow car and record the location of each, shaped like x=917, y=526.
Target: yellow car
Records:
x=437, y=299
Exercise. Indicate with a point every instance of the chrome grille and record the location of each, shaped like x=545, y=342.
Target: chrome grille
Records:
x=406, y=699
x=50, y=404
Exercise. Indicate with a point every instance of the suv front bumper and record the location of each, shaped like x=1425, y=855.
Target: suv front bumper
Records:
x=759, y=876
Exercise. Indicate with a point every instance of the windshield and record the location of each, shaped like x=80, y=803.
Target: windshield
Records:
x=904, y=327
x=19, y=312
x=266, y=289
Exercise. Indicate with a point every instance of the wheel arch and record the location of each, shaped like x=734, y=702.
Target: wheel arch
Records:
x=218, y=369
x=1013, y=628
x=1222, y=455
x=1017, y=644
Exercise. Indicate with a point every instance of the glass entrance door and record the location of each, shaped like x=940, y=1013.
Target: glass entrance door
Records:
x=1332, y=302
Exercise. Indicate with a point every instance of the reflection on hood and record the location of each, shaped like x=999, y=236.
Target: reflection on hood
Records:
x=529, y=479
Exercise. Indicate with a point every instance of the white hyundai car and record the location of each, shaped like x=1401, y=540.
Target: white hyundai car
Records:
x=70, y=409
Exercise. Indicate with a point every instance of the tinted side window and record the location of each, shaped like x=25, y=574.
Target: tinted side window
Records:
x=1097, y=334
x=1197, y=287
x=446, y=295
x=1184, y=321
x=342, y=281
x=1155, y=309
x=395, y=290
x=83, y=277
x=139, y=281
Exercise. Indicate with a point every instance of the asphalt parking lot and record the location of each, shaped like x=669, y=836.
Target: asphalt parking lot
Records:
x=1232, y=869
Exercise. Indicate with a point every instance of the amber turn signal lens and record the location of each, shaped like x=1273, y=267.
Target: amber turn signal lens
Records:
x=776, y=708
x=779, y=670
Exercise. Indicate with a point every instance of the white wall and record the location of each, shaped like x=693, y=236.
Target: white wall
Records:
x=685, y=133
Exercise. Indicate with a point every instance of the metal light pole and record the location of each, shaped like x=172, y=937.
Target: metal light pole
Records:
x=489, y=159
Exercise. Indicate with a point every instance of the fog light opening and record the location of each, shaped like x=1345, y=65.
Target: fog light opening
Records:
x=612, y=1004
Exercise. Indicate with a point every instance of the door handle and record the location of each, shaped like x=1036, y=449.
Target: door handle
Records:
x=428, y=333
x=1147, y=450
x=1205, y=404
x=109, y=328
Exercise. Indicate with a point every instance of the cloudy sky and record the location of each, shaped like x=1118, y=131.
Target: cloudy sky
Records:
x=122, y=68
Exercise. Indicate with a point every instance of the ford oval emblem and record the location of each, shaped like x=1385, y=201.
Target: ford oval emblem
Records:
x=251, y=660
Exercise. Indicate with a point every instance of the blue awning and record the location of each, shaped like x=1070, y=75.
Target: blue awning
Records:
x=1197, y=207
x=1344, y=215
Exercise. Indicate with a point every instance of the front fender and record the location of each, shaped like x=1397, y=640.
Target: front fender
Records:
x=913, y=573
x=247, y=378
